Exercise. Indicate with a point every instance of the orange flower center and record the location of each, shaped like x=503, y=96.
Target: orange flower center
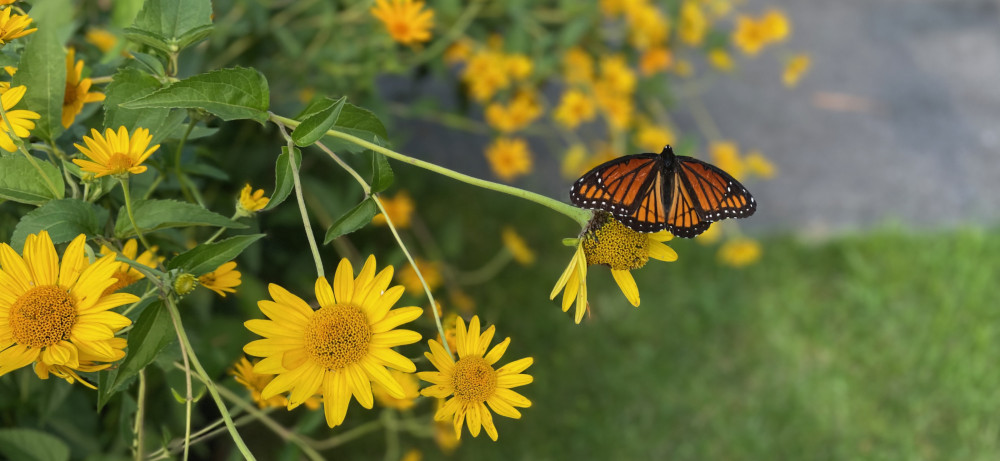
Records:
x=42, y=316
x=119, y=163
x=338, y=335
x=609, y=242
x=400, y=30
x=474, y=379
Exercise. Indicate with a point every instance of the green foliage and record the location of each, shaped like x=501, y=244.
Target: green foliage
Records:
x=172, y=25
x=283, y=182
x=42, y=67
x=31, y=445
x=354, y=219
x=382, y=176
x=130, y=84
x=22, y=182
x=315, y=125
x=230, y=94
x=151, y=215
x=207, y=257
x=63, y=219
x=358, y=122
x=152, y=333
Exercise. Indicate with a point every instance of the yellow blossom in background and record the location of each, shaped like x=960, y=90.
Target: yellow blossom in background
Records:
x=522, y=111
x=449, y=323
x=721, y=60
x=462, y=301
x=77, y=90
x=776, y=25
x=616, y=75
x=55, y=313
x=126, y=274
x=608, y=242
x=711, y=235
x=20, y=119
x=692, y=24
x=429, y=269
x=613, y=8
x=726, y=155
x=758, y=165
x=648, y=27
x=7, y=2
x=718, y=8
x=12, y=27
x=115, y=153
x=222, y=280
x=573, y=284
x=509, y=158
x=339, y=349
x=458, y=51
x=651, y=137
x=617, y=108
x=749, y=35
x=400, y=210
x=573, y=160
x=578, y=66
x=412, y=455
x=243, y=372
x=574, y=108
x=795, y=68
x=519, y=66
x=102, y=39
x=411, y=390
x=484, y=75
x=740, y=252
x=4, y=86
x=251, y=201
x=406, y=21
x=473, y=383
x=654, y=60
x=517, y=247
x=444, y=433
x=306, y=94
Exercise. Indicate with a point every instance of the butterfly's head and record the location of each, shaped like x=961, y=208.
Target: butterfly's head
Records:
x=667, y=153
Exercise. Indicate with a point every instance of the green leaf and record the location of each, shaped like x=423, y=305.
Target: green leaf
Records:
x=358, y=122
x=42, y=67
x=63, y=219
x=31, y=445
x=283, y=181
x=171, y=25
x=207, y=257
x=314, y=106
x=382, y=176
x=22, y=182
x=315, y=126
x=153, y=332
x=152, y=215
x=231, y=94
x=150, y=63
x=127, y=85
x=353, y=220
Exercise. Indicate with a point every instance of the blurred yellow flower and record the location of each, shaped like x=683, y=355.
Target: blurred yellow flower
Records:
x=749, y=35
x=412, y=455
x=648, y=27
x=404, y=20
x=458, y=51
x=251, y=201
x=4, y=86
x=484, y=76
x=655, y=60
x=400, y=210
x=758, y=165
x=431, y=271
x=77, y=90
x=578, y=66
x=652, y=137
x=411, y=390
x=795, y=68
x=306, y=94
x=462, y=301
x=776, y=25
x=102, y=39
x=617, y=108
x=517, y=247
x=616, y=75
x=711, y=235
x=509, y=158
x=243, y=372
x=524, y=109
x=115, y=153
x=519, y=66
x=573, y=160
x=726, y=155
x=126, y=274
x=740, y=252
x=693, y=24
x=720, y=59
x=12, y=27
x=473, y=383
x=20, y=120
x=444, y=432
x=608, y=242
x=574, y=108
x=449, y=323
x=222, y=280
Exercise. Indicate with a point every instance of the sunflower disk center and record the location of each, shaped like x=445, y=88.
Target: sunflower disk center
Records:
x=42, y=316
x=119, y=162
x=475, y=380
x=338, y=336
x=611, y=243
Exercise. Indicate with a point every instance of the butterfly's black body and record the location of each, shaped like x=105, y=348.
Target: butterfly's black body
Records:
x=642, y=191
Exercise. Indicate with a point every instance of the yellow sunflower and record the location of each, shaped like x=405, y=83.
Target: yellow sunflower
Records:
x=20, y=120
x=126, y=274
x=77, y=90
x=251, y=201
x=56, y=314
x=404, y=20
x=473, y=381
x=243, y=372
x=222, y=280
x=115, y=153
x=12, y=27
x=411, y=390
x=341, y=348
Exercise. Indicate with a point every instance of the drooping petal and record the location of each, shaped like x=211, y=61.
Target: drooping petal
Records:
x=625, y=281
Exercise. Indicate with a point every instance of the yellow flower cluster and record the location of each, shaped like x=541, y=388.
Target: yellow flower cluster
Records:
x=523, y=109
x=489, y=70
x=753, y=34
x=726, y=155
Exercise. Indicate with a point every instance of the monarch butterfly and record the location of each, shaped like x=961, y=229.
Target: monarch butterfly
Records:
x=651, y=192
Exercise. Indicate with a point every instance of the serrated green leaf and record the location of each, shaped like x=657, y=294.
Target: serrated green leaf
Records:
x=153, y=332
x=152, y=215
x=283, y=181
x=382, y=175
x=357, y=122
x=22, y=182
x=174, y=23
x=316, y=125
x=42, y=67
x=31, y=445
x=230, y=94
x=353, y=220
x=207, y=257
x=127, y=85
x=63, y=219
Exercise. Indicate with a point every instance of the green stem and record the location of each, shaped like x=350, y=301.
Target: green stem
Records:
x=302, y=203
x=189, y=396
x=221, y=229
x=348, y=436
x=577, y=214
x=203, y=377
x=140, y=414
x=131, y=216
x=489, y=270
x=285, y=434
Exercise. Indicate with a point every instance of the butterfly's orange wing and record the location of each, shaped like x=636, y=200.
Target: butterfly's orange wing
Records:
x=630, y=188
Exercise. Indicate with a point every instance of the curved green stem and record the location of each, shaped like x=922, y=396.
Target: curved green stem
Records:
x=131, y=216
x=203, y=377
x=282, y=432
x=140, y=414
x=579, y=215
x=302, y=204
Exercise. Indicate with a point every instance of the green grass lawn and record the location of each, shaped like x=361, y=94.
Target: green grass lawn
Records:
x=879, y=346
